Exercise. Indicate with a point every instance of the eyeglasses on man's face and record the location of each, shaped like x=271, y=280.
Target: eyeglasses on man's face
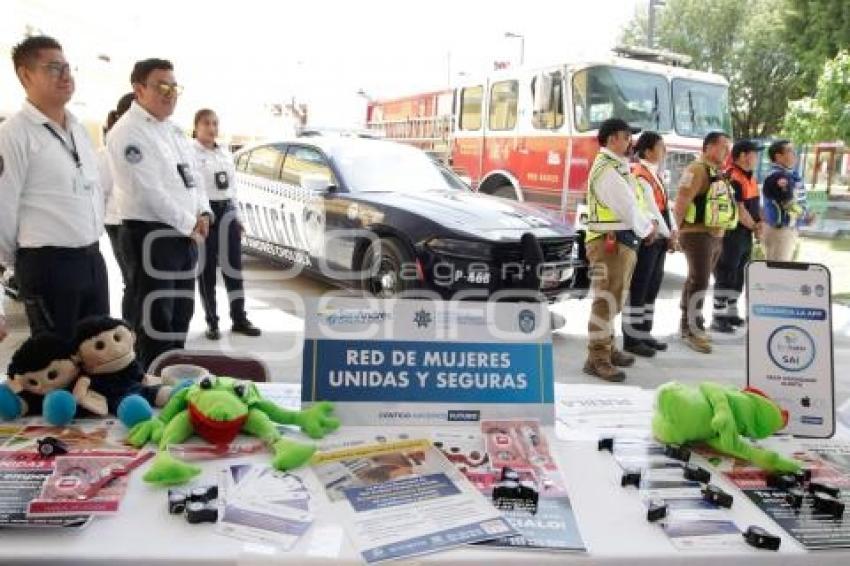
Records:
x=57, y=69
x=168, y=90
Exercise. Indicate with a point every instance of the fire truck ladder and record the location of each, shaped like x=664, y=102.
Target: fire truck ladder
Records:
x=429, y=133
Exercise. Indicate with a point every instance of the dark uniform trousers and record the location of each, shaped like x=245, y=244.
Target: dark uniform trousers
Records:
x=701, y=250
x=729, y=273
x=113, y=231
x=160, y=288
x=61, y=286
x=639, y=310
x=223, y=249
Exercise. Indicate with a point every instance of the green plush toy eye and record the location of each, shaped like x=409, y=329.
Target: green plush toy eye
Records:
x=240, y=389
x=205, y=383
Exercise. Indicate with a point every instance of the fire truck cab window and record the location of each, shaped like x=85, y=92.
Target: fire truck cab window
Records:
x=554, y=117
x=470, y=108
x=503, y=105
x=265, y=162
x=640, y=98
x=700, y=108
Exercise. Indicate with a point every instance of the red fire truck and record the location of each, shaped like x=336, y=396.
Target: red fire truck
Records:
x=530, y=134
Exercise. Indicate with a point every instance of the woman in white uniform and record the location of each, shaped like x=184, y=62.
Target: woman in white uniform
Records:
x=223, y=245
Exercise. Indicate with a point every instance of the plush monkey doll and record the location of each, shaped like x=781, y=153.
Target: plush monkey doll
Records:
x=105, y=350
x=40, y=373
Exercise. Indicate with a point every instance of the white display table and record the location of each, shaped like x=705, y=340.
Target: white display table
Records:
x=611, y=519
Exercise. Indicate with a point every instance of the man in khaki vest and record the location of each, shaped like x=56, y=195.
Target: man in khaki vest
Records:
x=701, y=244
x=618, y=221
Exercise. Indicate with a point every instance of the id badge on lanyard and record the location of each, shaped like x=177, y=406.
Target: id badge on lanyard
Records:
x=81, y=184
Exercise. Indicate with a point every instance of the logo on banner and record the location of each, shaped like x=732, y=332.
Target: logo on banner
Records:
x=423, y=319
x=344, y=317
x=527, y=321
x=791, y=348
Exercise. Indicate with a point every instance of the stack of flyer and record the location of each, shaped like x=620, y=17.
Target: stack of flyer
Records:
x=264, y=505
x=404, y=498
x=520, y=445
x=44, y=492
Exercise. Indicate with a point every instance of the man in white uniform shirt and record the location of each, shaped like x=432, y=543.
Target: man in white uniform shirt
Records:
x=51, y=202
x=618, y=223
x=163, y=209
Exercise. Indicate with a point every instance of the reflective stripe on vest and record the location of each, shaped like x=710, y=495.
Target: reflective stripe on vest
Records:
x=601, y=218
x=716, y=207
x=642, y=172
x=749, y=184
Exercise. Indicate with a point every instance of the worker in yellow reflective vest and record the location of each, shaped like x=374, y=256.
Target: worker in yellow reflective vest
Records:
x=705, y=208
x=618, y=222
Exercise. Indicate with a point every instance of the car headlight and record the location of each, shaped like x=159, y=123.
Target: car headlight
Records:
x=461, y=248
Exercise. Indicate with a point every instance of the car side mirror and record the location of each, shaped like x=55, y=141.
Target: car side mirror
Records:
x=317, y=184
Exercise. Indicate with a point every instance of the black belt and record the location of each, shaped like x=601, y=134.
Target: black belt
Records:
x=147, y=225
x=221, y=205
x=57, y=251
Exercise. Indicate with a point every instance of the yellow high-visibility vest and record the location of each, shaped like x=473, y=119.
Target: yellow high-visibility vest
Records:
x=600, y=218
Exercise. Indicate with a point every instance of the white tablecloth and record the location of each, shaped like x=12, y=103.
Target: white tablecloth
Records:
x=612, y=521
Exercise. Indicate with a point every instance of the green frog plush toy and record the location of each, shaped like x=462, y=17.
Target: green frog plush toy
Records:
x=218, y=409
x=721, y=417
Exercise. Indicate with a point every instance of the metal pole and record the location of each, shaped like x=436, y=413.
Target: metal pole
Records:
x=521, y=50
x=650, y=34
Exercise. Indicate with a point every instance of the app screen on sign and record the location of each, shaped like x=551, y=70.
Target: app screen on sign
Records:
x=789, y=342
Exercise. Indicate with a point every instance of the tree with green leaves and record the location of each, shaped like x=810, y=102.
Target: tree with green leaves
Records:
x=741, y=41
x=826, y=115
x=816, y=30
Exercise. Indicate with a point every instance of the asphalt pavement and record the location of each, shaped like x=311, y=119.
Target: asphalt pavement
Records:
x=272, y=296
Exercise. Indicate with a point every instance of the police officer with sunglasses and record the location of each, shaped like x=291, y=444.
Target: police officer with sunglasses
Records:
x=163, y=209
x=51, y=201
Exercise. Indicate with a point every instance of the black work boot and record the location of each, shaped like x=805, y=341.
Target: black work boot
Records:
x=245, y=327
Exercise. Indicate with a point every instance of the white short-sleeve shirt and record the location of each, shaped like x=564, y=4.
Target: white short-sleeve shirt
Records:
x=155, y=172
x=48, y=197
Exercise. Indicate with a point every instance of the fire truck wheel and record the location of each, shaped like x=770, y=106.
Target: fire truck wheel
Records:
x=388, y=268
x=505, y=191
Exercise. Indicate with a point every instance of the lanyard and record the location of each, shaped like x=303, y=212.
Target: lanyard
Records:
x=71, y=149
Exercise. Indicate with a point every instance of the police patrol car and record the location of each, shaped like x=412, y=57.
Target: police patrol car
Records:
x=384, y=217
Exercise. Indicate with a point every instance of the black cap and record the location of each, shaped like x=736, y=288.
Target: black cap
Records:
x=37, y=352
x=745, y=146
x=92, y=326
x=611, y=126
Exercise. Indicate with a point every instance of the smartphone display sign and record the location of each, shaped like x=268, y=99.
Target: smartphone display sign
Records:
x=789, y=342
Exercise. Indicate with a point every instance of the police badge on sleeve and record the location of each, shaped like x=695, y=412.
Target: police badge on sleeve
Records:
x=133, y=154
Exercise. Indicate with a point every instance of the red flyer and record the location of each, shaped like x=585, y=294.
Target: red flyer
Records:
x=64, y=492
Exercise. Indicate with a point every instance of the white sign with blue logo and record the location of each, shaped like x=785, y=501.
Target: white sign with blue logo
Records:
x=789, y=343
x=405, y=362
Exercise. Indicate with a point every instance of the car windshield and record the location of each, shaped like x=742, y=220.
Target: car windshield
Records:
x=387, y=167
x=700, y=108
x=640, y=98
